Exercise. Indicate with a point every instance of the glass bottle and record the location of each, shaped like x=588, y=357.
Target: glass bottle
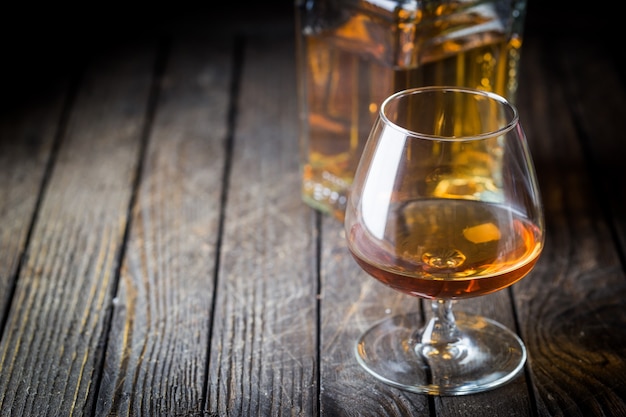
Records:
x=352, y=54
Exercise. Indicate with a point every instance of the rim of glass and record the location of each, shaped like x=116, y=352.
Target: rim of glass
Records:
x=466, y=90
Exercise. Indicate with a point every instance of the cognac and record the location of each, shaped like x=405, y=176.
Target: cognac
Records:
x=448, y=249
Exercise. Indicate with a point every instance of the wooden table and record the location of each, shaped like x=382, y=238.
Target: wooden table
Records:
x=156, y=258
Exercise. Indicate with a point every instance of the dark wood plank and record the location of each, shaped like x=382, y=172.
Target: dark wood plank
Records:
x=27, y=137
x=157, y=352
x=51, y=350
x=596, y=96
x=264, y=343
x=571, y=308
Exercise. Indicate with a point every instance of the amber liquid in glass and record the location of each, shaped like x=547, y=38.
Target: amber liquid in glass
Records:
x=448, y=249
x=351, y=69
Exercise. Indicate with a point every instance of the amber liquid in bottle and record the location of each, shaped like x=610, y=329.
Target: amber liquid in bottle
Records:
x=449, y=249
x=351, y=68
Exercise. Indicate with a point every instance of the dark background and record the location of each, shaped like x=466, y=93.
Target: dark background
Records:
x=39, y=43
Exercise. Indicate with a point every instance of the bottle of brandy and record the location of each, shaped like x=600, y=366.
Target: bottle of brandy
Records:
x=352, y=54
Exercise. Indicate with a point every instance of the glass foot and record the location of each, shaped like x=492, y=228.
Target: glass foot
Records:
x=484, y=355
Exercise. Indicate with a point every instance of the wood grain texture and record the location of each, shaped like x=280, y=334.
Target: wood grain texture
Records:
x=264, y=349
x=576, y=292
x=157, y=352
x=26, y=143
x=50, y=353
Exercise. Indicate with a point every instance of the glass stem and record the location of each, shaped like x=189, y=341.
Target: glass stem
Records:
x=441, y=328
